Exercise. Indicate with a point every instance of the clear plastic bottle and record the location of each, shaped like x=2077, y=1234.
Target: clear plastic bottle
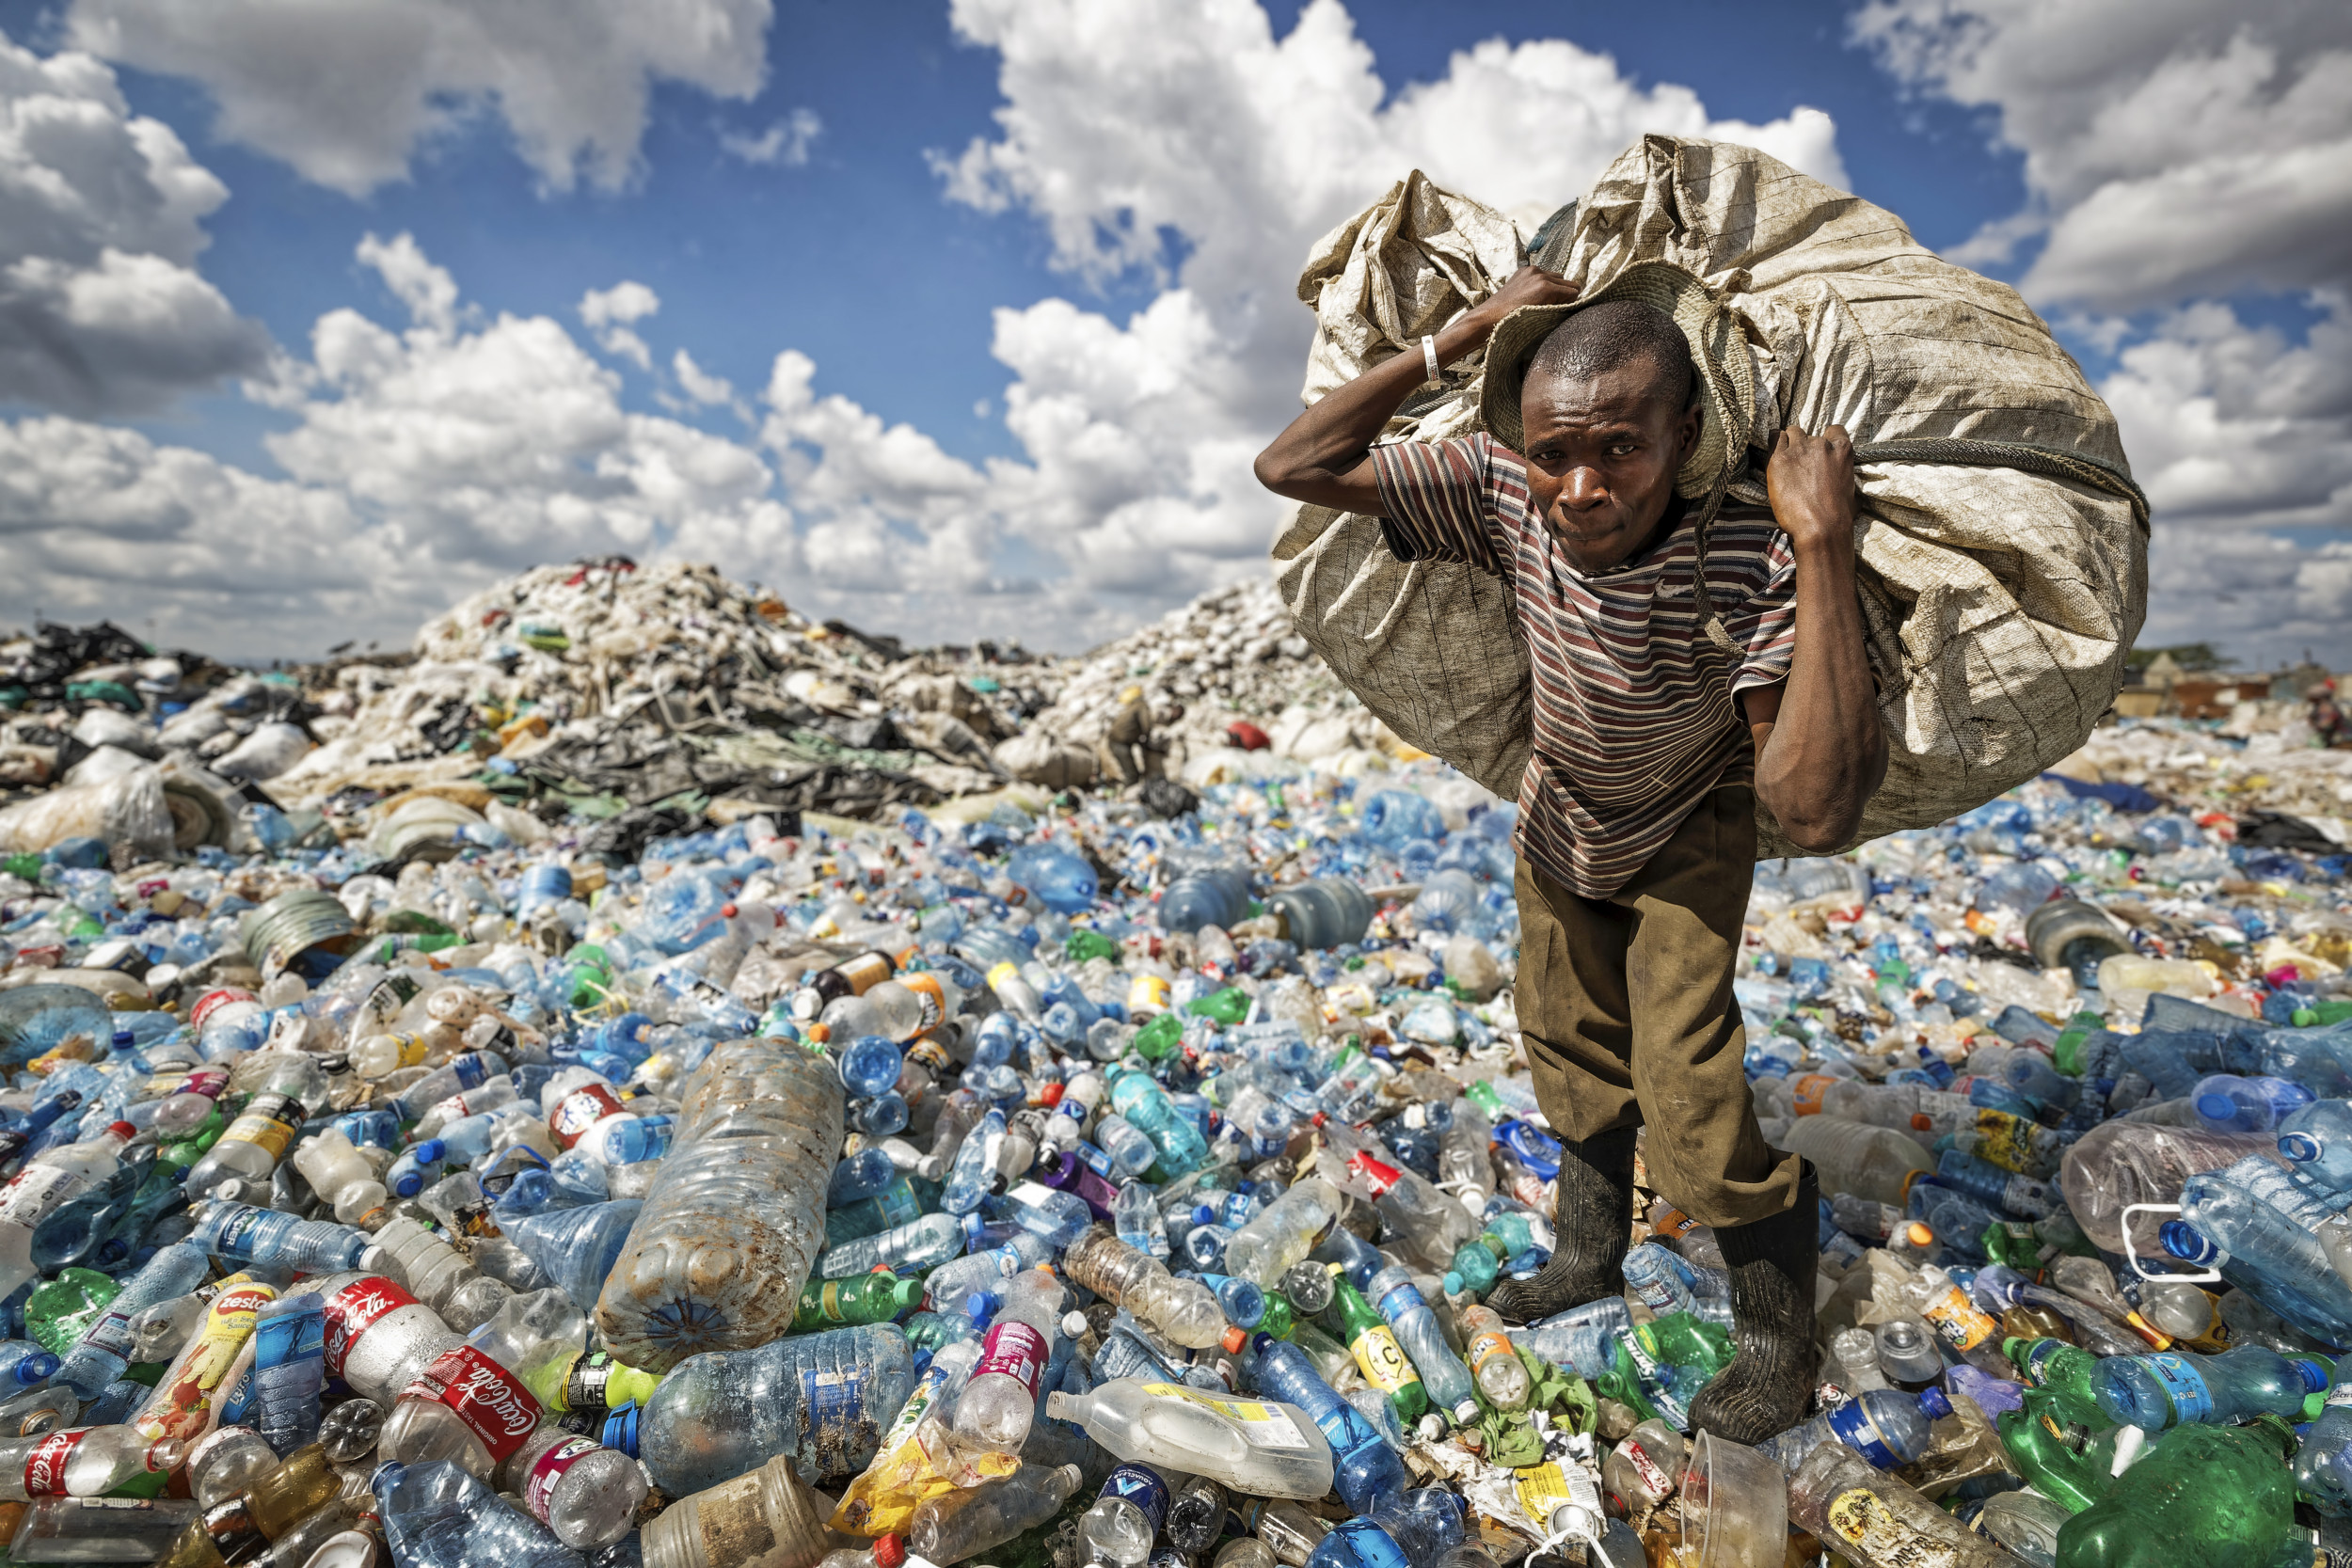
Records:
x=820, y=1398
x=84, y=1462
x=765, y=1515
x=1000, y=1400
x=1126, y=1517
x=1185, y=1310
x=1261, y=1448
x=1494, y=1362
x=915, y=1246
x=289, y=1369
x=953, y=1527
x=1283, y=1232
x=246, y=1234
x=1431, y=1223
x=1874, y=1162
x=1885, y=1426
x=432, y=1271
x=1875, y=1521
x=104, y=1352
x=718, y=1257
x=49, y=1180
x=343, y=1176
x=1644, y=1469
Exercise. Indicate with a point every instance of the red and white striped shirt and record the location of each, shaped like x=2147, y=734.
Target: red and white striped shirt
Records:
x=1633, y=715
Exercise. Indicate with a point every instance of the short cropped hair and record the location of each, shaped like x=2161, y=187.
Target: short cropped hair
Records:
x=1612, y=333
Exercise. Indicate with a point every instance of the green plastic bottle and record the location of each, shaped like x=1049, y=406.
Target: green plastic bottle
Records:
x=1379, y=1356
x=57, y=1314
x=2066, y=1462
x=1228, y=1007
x=183, y=1154
x=2202, y=1497
x=591, y=1380
x=1662, y=1366
x=2064, y=1374
x=867, y=1298
x=1083, y=944
x=2322, y=1013
x=1163, y=1036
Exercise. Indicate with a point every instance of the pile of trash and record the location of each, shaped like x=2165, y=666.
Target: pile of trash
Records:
x=1039, y=1181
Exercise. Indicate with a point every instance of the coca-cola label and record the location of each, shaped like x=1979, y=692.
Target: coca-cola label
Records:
x=1015, y=1349
x=581, y=1109
x=492, y=1401
x=44, y=1467
x=1374, y=1173
x=540, y=1488
x=352, y=1310
x=214, y=1001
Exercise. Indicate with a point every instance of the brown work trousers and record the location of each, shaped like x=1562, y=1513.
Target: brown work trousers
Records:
x=1625, y=1004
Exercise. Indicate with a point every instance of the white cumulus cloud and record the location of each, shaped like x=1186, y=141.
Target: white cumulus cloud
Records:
x=349, y=92
x=101, y=307
x=786, y=143
x=2179, y=154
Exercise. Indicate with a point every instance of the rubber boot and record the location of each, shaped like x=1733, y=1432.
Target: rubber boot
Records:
x=1592, y=1225
x=1769, y=1385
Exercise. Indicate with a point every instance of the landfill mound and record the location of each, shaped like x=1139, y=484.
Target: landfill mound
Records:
x=557, y=1120
x=639, y=699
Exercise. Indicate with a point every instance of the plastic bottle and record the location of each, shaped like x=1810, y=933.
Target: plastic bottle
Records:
x=437, y=1516
x=1416, y=1330
x=250, y=1235
x=1184, y=1310
x=718, y=1254
x=84, y=1462
x=1365, y=1467
x=1378, y=1355
x=48, y=1181
x=822, y=1398
x=997, y=1404
x=1126, y=1517
x=2228, y=1103
x=1645, y=1466
x=765, y=1515
x=1219, y=896
x=1283, y=1232
x=1885, y=1426
x=1321, y=912
x=103, y=1352
x=2207, y=1494
x=1262, y=1447
x=2170, y=1387
x=1431, y=1223
x=289, y=1369
x=1583, y=1338
x=577, y=1247
x=951, y=1527
x=1875, y=1521
x=1872, y=1162
x=257, y=1138
x=342, y=1178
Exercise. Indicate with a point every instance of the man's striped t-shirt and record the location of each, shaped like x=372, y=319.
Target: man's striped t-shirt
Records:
x=1633, y=715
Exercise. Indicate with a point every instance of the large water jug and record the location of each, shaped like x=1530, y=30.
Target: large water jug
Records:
x=718, y=1257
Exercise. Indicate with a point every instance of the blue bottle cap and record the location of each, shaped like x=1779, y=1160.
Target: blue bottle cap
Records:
x=2215, y=1107
x=981, y=1305
x=431, y=1151
x=620, y=1428
x=2314, y=1376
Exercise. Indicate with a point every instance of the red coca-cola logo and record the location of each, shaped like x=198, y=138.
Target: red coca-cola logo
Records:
x=478, y=1392
x=1379, y=1175
x=44, y=1467
x=214, y=1001
x=354, y=1309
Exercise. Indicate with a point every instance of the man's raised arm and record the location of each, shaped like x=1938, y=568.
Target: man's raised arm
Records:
x=1321, y=458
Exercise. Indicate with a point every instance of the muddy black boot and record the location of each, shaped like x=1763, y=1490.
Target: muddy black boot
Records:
x=1769, y=1385
x=1592, y=1225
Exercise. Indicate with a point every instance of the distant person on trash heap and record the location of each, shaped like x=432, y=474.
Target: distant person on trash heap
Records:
x=1662, y=716
x=1136, y=752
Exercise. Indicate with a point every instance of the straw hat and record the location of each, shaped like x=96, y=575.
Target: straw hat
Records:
x=1726, y=383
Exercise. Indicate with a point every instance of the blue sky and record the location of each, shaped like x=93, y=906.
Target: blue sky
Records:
x=392, y=476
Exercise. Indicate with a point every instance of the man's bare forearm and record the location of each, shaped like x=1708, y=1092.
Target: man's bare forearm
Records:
x=1827, y=755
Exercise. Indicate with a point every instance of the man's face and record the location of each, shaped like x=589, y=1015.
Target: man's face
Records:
x=1601, y=455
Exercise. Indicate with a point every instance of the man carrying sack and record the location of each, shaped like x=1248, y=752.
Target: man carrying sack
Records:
x=1685, y=667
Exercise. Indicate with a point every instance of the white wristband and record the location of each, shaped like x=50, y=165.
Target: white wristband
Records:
x=1429, y=360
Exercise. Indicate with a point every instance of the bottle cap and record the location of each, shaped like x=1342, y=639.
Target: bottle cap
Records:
x=1234, y=1338
x=121, y=1130
x=889, y=1551
x=981, y=1305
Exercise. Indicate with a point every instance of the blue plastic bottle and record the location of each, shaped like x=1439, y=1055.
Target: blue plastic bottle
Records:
x=106, y=1344
x=244, y=1234
x=577, y=1247
x=1364, y=1467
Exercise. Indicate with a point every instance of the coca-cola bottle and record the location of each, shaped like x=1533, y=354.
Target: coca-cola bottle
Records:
x=378, y=1336
x=472, y=1404
x=88, y=1462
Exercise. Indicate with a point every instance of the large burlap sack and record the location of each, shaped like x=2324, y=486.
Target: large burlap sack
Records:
x=2002, y=547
